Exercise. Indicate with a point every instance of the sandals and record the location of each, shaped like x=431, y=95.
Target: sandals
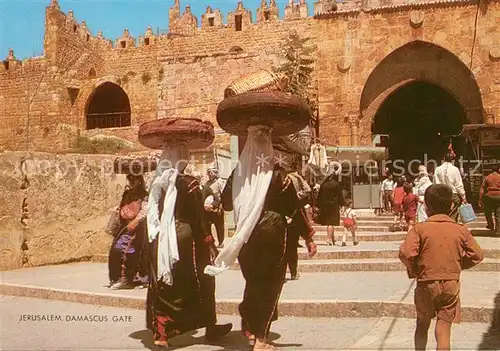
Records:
x=264, y=347
x=161, y=343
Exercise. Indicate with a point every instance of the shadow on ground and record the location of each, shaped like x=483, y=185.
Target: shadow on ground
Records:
x=233, y=341
x=491, y=339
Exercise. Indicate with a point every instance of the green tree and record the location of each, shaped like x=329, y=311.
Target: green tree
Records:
x=297, y=66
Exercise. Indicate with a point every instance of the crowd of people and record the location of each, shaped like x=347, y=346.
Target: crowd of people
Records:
x=179, y=269
x=397, y=195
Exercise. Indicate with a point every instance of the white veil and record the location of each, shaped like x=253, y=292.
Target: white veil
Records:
x=165, y=178
x=251, y=179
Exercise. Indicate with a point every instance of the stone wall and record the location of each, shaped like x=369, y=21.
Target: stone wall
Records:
x=54, y=208
x=66, y=199
x=184, y=73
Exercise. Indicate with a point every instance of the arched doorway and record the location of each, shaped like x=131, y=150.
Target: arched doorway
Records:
x=420, y=119
x=108, y=107
x=419, y=96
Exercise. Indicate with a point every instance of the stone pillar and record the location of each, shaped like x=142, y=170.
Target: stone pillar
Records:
x=354, y=126
x=489, y=116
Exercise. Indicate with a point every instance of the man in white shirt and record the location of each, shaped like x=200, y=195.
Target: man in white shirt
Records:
x=387, y=188
x=449, y=174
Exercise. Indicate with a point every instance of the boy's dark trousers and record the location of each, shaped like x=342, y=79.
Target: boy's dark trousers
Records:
x=492, y=209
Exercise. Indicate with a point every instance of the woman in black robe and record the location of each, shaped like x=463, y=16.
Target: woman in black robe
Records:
x=189, y=303
x=262, y=258
x=330, y=199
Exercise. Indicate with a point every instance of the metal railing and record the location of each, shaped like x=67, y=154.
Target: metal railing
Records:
x=108, y=120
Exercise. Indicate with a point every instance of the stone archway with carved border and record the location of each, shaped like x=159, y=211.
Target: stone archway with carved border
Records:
x=86, y=91
x=420, y=61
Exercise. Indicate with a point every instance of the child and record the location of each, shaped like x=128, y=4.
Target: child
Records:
x=398, y=195
x=436, y=269
x=410, y=202
x=349, y=223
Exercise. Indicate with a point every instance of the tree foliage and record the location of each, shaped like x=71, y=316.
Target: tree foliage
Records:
x=298, y=66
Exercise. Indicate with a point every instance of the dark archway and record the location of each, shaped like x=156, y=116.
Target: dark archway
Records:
x=420, y=119
x=418, y=95
x=422, y=61
x=108, y=107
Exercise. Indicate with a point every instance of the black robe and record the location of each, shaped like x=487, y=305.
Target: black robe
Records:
x=189, y=303
x=262, y=258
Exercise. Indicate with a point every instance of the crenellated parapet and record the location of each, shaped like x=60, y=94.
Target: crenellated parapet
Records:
x=102, y=40
x=267, y=13
x=325, y=6
x=125, y=41
x=149, y=38
x=240, y=19
x=174, y=13
x=187, y=24
x=296, y=10
x=10, y=63
x=211, y=19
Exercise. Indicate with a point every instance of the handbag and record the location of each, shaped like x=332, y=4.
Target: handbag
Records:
x=113, y=226
x=131, y=210
x=467, y=213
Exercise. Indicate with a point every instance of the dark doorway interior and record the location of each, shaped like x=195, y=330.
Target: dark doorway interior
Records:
x=109, y=107
x=419, y=119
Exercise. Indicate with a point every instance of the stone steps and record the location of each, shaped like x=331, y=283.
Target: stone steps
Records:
x=345, y=253
x=363, y=236
x=372, y=265
x=373, y=261
x=391, y=250
x=385, y=225
x=352, y=294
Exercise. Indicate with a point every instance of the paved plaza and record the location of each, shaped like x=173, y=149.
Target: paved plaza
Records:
x=289, y=333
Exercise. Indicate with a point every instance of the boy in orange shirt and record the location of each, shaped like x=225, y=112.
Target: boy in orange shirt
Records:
x=435, y=252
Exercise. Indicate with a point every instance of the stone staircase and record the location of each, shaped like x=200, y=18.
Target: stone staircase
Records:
x=366, y=280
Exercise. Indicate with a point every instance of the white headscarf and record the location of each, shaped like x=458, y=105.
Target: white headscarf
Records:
x=251, y=180
x=165, y=178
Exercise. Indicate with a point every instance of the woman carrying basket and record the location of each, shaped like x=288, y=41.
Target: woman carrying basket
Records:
x=180, y=297
x=261, y=196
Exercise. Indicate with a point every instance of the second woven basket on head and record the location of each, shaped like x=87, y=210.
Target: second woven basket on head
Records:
x=258, y=99
x=259, y=81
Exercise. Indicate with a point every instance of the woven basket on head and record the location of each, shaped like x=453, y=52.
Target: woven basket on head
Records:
x=258, y=81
